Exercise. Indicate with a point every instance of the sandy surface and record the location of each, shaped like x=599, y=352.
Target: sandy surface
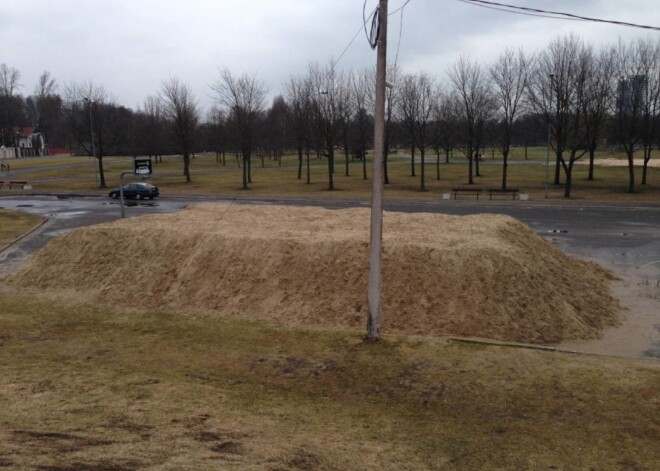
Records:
x=483, y=275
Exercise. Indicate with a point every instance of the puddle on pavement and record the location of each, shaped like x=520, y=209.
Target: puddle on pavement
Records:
x=69, y=214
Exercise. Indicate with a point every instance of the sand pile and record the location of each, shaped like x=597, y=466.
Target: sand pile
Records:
x=484, y=275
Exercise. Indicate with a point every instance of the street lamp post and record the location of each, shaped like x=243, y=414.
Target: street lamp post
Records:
x=547, y=151
x=91, y=130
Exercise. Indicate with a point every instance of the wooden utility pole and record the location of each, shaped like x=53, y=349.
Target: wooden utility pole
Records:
x=376, y=238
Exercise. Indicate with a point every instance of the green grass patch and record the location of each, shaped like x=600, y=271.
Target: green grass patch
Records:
x=95, y=388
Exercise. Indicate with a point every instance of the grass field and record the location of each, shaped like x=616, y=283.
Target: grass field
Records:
x=88, y=388
x=14, y=224
x=83, y=387
x=209, y=177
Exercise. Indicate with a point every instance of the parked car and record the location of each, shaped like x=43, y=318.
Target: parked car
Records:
x=136, y=190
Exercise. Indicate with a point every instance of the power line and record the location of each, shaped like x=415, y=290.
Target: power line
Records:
x=557, y=14
x=468, y=2
x=398, y=44
x=352, y=40
x=400, y=8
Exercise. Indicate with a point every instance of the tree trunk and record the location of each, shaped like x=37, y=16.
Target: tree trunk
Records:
x=437, y=165
x=647, y=158
x=631, y=170
x=422, y=185
x=557, y=167
x=505, y=166
x=470, y=179
x=446, y=156
x=308, y=174
x=249, y=168
x=331, y=165
x=364, y=163
x=569, y=179
x=101, y=172
x=186, y=166
x=386, y=151
x=346, y=154
x=245, y=167
x=412, y=161
x=525, y=151
x=386, y=175
x=592, y=154
x=477, y=173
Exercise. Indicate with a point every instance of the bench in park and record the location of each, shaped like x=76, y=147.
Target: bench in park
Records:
x=467, y=191
x=499, y=192
x=21, y=183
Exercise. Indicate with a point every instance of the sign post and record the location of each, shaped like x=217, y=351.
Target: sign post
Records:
x=142, y=167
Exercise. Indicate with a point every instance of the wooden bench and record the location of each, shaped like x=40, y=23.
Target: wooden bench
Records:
x=20, y=183
x=499, y=191
x=467, y=191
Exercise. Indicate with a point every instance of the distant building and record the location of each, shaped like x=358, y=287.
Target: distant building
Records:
x=30, y=143
x=633, y=94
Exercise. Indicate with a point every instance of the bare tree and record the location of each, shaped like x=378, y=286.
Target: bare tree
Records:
x=299, y=97
x=598, y=101
x=510, y=74
x=327, y=84
x=89, y=109
x=418, y=97
x=445, y=116
x=346, y=108
x=47, y=105
x=651, y=117
x=243, y=98
x=180, y=108
x=553, y=93
x=10, y=105
x=362, y=89
x=274, y=130
x=471, y=87
x=217, y=121
x=631, y=99
x=9, y=79
x=154, y=130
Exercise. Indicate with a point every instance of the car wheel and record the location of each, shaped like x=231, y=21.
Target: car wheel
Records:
x=115, y=195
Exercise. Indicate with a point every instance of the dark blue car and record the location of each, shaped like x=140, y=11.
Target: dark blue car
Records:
x=136, y=190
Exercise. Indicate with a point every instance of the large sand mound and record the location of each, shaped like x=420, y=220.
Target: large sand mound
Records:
x=482, y=275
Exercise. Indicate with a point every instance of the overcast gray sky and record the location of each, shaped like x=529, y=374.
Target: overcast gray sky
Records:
x=130, y=46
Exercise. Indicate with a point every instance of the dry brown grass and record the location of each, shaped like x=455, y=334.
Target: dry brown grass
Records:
x=89, y=388
x=481, y=275
x=15, y=223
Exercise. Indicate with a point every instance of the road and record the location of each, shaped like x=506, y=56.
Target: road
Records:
x=625, y=238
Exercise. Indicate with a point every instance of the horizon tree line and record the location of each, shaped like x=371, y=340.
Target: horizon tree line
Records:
x=587, y=97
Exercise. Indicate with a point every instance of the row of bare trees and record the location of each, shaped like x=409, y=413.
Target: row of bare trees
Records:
x=576, y=96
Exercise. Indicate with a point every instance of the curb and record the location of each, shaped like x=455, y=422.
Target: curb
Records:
x=24, y=235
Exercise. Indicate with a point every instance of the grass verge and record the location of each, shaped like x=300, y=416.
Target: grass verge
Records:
x=89, y=388
x=14, y=224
